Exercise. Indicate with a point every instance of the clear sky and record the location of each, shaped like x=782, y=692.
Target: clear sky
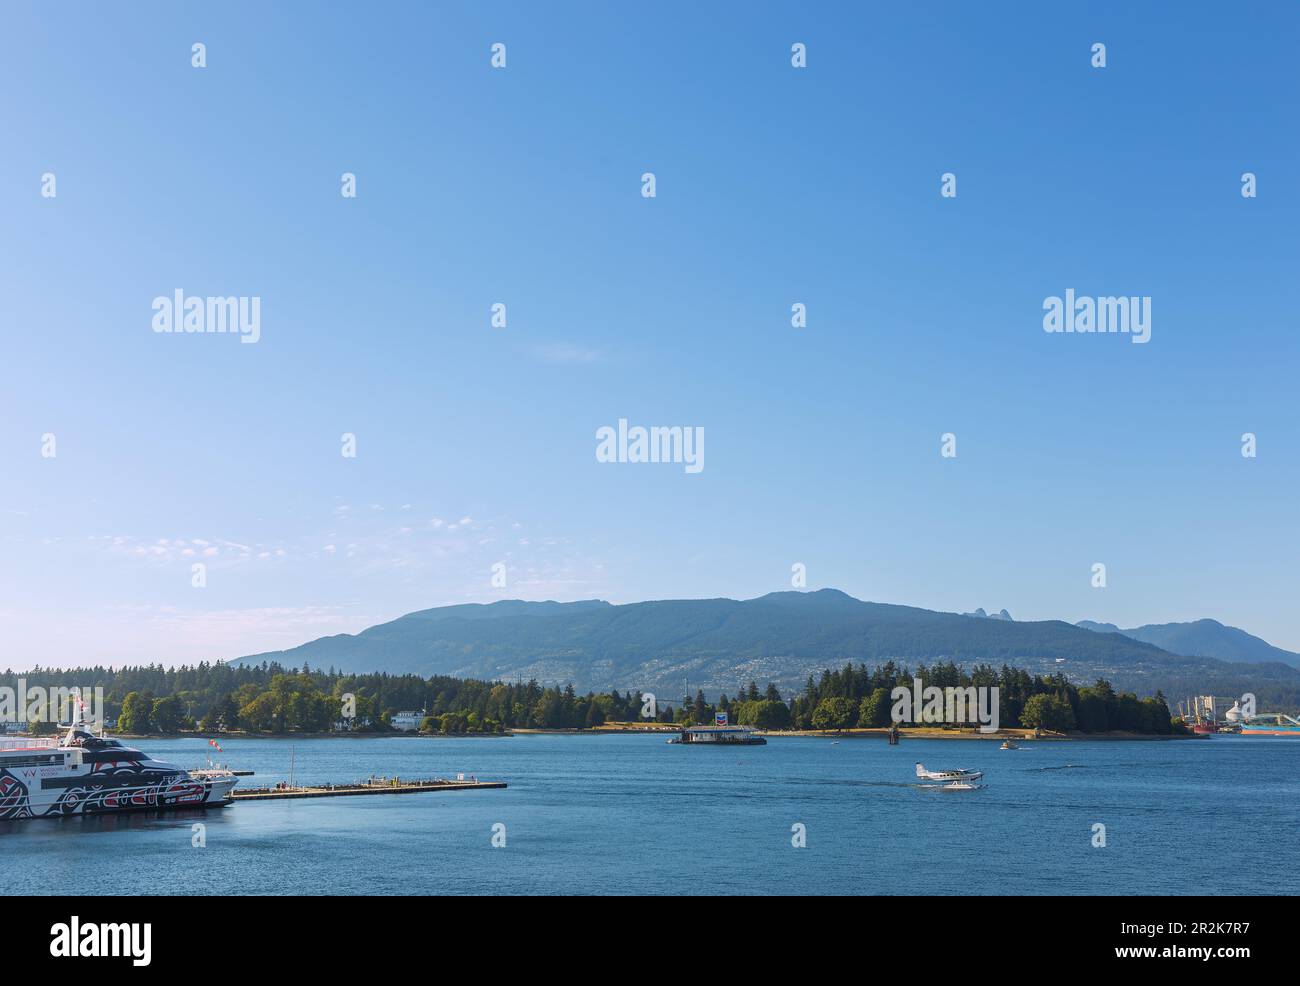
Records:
x=522, y=186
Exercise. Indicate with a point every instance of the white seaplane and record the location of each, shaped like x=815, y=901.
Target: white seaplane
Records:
x=951, y=780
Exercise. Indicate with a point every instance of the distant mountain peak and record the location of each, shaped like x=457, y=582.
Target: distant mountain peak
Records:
x=1202, y=638
x=1000, y=615
x=806, y=595
x=1096, y=627
x=503, y=608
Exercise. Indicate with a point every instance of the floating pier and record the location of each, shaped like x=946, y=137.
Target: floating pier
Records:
x=346, y=790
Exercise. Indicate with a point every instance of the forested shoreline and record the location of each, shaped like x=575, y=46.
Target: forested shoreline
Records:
x=273, y=700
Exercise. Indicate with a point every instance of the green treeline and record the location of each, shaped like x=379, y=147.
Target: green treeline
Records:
x=861, y=697
x=272, y=699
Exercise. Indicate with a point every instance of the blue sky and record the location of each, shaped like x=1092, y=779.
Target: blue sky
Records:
x=522, y=185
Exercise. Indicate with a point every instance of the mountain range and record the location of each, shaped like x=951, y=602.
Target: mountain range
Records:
x=1202, y=637
x=668, y=646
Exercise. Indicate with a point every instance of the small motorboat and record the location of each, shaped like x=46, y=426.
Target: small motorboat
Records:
x=1008, y=745
x=959, y=776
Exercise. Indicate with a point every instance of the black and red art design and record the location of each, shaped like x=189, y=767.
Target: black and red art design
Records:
x=13, y=797
x=110, y=787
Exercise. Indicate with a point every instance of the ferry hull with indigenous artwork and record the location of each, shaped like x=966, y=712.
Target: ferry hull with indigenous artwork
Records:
x=86, y=774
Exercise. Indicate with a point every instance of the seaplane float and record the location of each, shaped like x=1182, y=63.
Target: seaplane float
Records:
x=950, y=780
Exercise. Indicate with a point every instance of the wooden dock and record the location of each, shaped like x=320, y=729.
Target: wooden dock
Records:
x=348, y=790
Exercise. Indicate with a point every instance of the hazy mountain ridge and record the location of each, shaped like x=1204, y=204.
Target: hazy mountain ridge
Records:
x=716, y=644
x=1203, y=638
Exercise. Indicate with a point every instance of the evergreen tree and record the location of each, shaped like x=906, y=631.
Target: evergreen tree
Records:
x=135, y=715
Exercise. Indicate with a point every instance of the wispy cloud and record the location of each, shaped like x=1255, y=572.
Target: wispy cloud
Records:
x=563, y=352
x=323, y=578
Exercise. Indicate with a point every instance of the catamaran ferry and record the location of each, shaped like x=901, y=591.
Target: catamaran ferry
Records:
x=86, y=774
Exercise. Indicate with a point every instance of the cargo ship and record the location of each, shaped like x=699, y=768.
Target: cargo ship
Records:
x=1271, y=724
x=1201, y=714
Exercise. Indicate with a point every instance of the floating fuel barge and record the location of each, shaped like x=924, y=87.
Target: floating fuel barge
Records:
x=719, y=734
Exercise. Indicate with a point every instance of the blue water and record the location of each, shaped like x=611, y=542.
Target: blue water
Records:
x=631, y=814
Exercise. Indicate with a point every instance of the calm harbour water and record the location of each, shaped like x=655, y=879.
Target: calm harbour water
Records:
x=631, y=814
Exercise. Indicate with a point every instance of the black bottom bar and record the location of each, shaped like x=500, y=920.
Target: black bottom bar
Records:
x=218, y=936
